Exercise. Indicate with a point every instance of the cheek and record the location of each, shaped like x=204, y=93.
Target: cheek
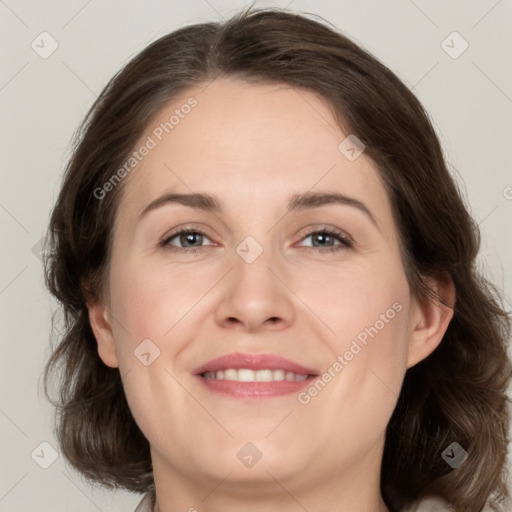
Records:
x=153, y=309
x=153, y=302
x=363, y=302
x=365, y=331
x=360, y=384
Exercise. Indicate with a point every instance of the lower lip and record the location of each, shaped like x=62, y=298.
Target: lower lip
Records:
x=255, y=390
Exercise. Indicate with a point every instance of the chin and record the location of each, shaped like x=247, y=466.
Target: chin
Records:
x=256, y=462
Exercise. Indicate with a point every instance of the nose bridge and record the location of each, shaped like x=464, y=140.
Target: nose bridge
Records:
x=253, y=294
x=253, y=262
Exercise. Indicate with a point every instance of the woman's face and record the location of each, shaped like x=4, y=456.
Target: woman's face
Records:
x=257, y=276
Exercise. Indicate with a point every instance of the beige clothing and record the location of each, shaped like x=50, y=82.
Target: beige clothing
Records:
x=425, y=505
x=430, y=505
x=436, y=505
x=145, y=504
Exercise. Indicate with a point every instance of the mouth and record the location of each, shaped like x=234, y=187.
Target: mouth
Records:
x=248, y=375
x=254, y=376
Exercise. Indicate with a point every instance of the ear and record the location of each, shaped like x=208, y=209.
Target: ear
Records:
x=430, y=321
x=101, y=327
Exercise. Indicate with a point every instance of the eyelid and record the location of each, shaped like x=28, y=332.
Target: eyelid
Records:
x=316, y=228
x=344, y=239
x=180, y=230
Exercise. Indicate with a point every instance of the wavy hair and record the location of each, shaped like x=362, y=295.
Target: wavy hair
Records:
x=458, y=393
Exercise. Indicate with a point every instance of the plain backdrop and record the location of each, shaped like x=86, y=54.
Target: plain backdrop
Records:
x=44, y=97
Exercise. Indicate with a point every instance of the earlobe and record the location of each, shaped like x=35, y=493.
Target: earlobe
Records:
x=431, y=320
x=101, y=327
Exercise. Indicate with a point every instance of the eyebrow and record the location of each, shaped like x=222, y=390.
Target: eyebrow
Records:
x=297, y=202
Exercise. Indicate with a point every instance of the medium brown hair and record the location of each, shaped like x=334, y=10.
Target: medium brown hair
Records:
x=457, y=394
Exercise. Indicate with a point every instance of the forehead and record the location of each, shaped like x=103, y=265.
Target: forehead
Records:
x=249, y=144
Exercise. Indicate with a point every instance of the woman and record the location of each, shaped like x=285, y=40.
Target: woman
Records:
x=324, y=342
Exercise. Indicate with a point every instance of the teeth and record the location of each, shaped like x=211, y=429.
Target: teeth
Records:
x=246, y=375
x=230, y=374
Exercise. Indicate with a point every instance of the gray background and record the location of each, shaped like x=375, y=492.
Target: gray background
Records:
x=43, y=99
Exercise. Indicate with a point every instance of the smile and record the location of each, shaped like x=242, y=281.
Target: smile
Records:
x=247, y=375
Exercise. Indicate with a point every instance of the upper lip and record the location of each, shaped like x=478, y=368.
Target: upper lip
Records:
x=253, y=362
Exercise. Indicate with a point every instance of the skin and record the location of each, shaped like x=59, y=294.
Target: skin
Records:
x=253, y=146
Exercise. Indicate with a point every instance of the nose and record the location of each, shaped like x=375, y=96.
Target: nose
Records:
x=254, y=296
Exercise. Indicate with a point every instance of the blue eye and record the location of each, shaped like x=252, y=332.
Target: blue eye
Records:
x=186, y=236
x=194, y=236
x=325, y=235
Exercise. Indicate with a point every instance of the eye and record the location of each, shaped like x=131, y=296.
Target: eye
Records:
x=185, y=236
x=325, y=237
x=192, y=238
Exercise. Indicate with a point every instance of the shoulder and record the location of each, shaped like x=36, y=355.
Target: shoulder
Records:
x=434, y=504
x=145, y=505
x=431, y=504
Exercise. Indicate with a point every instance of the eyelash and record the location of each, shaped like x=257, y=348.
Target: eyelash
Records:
x=345, y=244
